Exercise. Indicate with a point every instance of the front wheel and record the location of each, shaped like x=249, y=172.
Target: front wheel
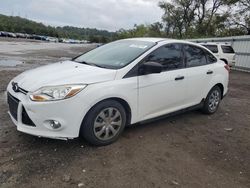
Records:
x=212, y=101
x=104, y=123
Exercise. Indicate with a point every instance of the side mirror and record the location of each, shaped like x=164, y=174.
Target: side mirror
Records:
x=150, y=68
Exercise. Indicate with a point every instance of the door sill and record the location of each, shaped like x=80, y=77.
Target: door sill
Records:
x=195, y=107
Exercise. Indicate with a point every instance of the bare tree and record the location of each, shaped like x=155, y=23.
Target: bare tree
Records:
x=242, y=15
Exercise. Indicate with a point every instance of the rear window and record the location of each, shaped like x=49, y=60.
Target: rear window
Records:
x=212, y=48
x=227, y=49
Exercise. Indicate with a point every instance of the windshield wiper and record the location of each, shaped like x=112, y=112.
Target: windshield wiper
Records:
x=92, y=64
x=86, y=63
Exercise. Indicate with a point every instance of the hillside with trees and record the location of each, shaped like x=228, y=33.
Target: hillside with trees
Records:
x=21, y=25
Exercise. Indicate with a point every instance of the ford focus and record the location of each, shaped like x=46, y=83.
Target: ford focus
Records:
x=97, y=94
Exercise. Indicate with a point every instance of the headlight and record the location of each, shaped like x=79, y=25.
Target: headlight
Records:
x=53, y=93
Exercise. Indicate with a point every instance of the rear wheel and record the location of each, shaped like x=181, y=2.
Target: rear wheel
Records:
x=104, y=123
x=212, y=101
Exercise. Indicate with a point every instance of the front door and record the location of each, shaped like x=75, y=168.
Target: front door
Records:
x=163, y=92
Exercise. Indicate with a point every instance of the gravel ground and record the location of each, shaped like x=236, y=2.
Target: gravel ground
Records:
x=188, y=150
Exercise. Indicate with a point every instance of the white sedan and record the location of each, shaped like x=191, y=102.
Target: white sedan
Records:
x=121, y=83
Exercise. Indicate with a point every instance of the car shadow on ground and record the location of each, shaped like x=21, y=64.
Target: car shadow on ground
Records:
x=176, y=121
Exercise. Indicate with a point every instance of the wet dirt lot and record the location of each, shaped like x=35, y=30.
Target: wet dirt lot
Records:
x=187, y=150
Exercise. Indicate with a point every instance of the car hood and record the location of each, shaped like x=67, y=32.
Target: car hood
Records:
x=66, y=72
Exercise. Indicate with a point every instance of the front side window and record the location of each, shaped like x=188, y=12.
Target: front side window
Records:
x=115, y=55
x=195, y=56
x=212, y=48
x=170, y=56
x=227, y=49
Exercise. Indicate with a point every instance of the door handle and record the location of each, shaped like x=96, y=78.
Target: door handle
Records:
x=179, y=78
x=210, y=72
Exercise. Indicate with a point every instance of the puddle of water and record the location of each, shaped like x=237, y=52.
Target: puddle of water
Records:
x=10, y=63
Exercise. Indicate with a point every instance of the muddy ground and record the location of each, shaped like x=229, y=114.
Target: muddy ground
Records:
x=187, y=150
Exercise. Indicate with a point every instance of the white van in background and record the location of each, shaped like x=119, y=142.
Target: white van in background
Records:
x=223, y=51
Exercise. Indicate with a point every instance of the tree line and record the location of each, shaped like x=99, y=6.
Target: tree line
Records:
x=196, y=19
x=181, y=19
x=17, y=24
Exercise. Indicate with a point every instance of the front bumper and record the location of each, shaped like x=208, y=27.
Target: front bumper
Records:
x=68, y=112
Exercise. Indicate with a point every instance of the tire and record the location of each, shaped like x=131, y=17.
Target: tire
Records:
x=212, y=101
x=104, y=123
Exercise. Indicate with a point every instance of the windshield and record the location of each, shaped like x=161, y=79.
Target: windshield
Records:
x=115, y=55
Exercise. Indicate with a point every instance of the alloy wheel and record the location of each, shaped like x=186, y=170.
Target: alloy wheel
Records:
x=214, y=100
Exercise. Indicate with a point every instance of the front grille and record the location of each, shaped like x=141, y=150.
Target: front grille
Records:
x=26, y=119
x=13, y=105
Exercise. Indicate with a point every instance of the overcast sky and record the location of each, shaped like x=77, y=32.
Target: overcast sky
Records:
x=102, y=14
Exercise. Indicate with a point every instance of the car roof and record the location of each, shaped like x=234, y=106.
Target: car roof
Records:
x=147, y=39
x=167, y=40
x=163, y=40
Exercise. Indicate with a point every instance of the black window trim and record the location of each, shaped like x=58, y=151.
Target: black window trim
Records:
x=206, y=53
x=203, y=49
x=135, y=72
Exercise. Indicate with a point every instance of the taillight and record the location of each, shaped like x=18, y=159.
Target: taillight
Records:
x=227, y=67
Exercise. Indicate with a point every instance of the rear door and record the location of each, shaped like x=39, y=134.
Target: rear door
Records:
x=200, y=69
x=164, y=92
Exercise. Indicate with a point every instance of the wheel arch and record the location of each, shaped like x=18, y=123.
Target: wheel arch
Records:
x=126, y=106
x=223, y=59
x=123, y=102
x=220, y=85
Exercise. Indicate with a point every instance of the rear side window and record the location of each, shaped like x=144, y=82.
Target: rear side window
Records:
x=210, y=57
x=170, y=56
x=227, y=49
x=212, y=48
x=195, y=56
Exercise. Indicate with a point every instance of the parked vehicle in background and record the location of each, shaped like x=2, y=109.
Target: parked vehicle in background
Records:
x=72, y=41
x=223, y=51
x=37, y=37
x=41, y=37
x=20, y=35
x=97, y=94
x=52, y=39
x=5, y=34
x=12, y=35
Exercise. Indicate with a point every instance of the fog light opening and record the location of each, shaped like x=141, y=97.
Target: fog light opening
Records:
x=54, y=124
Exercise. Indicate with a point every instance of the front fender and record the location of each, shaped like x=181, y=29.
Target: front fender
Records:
x=125, y=89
